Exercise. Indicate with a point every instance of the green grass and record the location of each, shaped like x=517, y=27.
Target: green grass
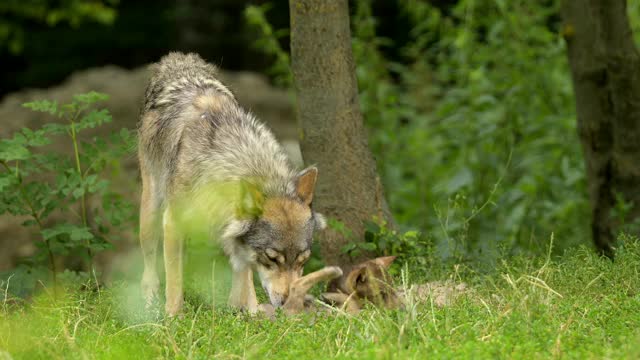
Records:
x=576, y=306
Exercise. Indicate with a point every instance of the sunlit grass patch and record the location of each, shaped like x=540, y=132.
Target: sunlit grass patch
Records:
x=577, y=306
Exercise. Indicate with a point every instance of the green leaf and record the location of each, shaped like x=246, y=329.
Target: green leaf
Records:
x=412, y=234
x=81, y=234
x=54, y=129
x=78, y=192
x=30, y=222
x=36, y=138
x=368, y=246
x=14, y=152
x=90, y=97
x=53, y=232
x=99, y=186
x=93, y=119
x=347, y=248
x=462, y=178
x=372, y=227
x=47, y=106
x=6, y=181
x=75, y=233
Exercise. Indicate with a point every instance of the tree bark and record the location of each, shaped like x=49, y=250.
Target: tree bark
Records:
x=605, y=67
x=333, y=135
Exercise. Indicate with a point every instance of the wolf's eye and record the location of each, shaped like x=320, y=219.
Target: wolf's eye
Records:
x=303, y=257
x=274, y=256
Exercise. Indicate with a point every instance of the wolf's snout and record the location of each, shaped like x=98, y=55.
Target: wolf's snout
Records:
x=278, y=300
x=277, y=285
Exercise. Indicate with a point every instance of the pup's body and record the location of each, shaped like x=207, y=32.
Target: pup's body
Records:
x=203, y=156
x=368, y=281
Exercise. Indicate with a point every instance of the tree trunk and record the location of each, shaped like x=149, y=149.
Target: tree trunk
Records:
x=606, y=78
x=333, y=135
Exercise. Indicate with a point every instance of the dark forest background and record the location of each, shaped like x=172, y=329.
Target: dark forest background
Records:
x=498, y=128
x=144, y=30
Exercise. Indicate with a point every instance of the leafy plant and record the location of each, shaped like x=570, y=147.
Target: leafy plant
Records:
x=38, y=183
x=622, y=214
x=269, y=43
x=475, y=128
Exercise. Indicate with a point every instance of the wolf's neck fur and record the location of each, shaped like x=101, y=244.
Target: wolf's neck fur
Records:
x=239, y=147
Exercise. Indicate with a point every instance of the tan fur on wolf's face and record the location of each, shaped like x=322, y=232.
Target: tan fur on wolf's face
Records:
x=371, y=281
x=282, y=237
x=288, y=225
x=277, y=273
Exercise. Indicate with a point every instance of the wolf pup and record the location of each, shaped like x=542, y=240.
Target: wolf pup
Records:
x=202, y=156
x=368, y=281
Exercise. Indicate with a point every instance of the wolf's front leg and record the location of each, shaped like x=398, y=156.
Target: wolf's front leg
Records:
x=173, y=253
x=243, y=293
x=150, y=234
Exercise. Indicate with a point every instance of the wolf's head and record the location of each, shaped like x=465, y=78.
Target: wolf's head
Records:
x=277, y=240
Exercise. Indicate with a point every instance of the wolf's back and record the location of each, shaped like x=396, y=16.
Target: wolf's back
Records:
x=192, y=130
x=177, y=79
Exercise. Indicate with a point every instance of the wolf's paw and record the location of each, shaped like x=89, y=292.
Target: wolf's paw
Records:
x=174, y=308
x=267, y=310
x=150, y=288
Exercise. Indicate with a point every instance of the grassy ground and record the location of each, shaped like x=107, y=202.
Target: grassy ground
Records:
x=578, y=306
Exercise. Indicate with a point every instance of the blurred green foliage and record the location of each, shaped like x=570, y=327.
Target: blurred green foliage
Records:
x=268, y=41
x=15, y=15
x=473, y=127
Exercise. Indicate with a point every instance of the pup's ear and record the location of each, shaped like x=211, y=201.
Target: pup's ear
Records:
x=306, y=183
x=236, y=228
x=362, y=276
x=321, y=222
x=358, y=275
x=385, y=261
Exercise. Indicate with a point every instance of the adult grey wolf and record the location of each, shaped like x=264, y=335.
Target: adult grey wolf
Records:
x=203, y=157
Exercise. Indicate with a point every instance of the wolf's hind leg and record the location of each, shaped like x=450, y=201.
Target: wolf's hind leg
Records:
x=243, y=293
x=150, y=235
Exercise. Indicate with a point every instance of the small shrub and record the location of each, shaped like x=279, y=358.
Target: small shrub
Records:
x=37, y=183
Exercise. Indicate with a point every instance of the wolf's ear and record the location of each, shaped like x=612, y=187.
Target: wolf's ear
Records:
x=385, y=261
x=236, y=228
x=321, y=222
x=306, y=183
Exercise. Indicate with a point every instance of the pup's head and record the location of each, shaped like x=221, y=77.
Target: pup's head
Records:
x=279, y=238
x=371, y=281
